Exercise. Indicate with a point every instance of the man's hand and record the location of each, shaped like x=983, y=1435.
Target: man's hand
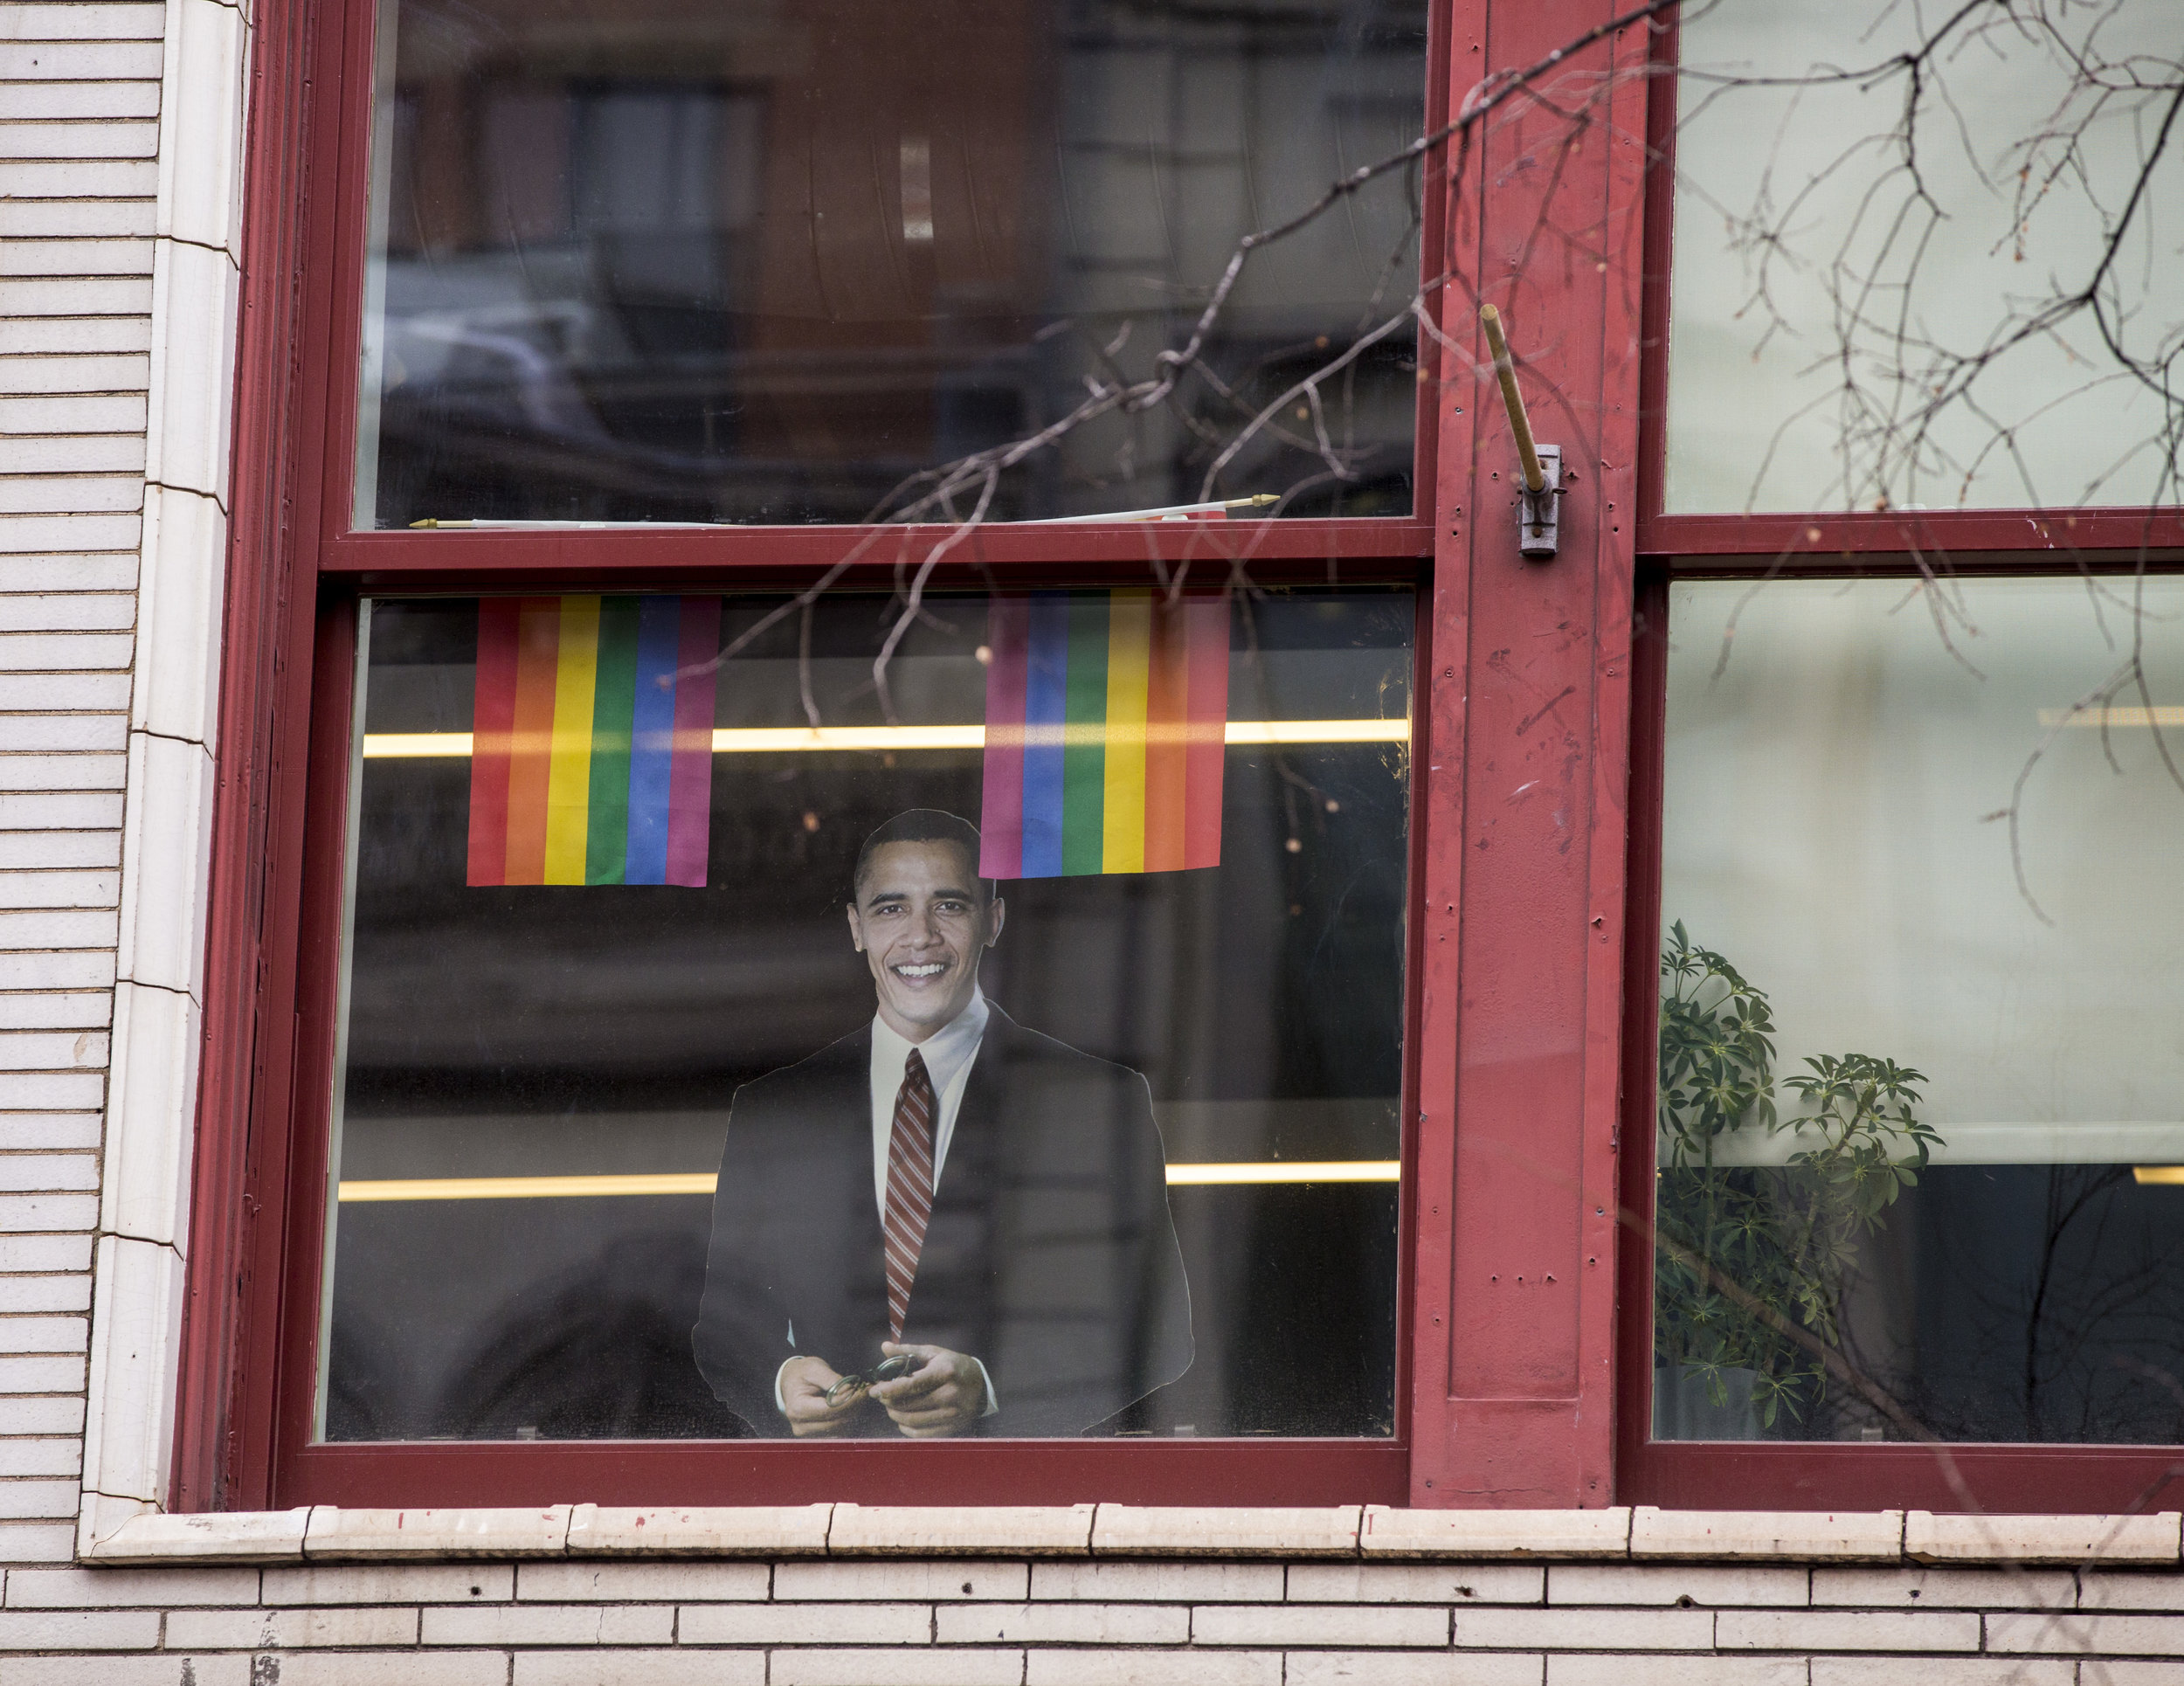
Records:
x=944, y=1395
x=804, y=1385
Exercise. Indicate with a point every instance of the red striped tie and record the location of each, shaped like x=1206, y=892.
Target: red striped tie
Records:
x=909, y=1185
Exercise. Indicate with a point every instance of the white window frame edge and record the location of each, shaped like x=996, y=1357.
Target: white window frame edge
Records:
x=143, y=1235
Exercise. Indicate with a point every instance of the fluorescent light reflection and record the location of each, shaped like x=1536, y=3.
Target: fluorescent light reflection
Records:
x=1278, y=1170
x=786, y=740
x=2166, y=713
x=355, y=1191
x=523, y=1188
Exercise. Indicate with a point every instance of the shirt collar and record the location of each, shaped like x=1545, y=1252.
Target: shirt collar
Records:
x=947, y=1051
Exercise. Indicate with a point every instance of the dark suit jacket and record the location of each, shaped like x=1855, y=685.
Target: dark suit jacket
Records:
x=1050, y=1255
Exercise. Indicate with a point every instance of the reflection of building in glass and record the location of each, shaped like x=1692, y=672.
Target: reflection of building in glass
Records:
x=759, y=263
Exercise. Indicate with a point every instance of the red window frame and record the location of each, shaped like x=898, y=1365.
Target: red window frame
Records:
x=1535, y=817
x=296, y=574
x=1999, y=1478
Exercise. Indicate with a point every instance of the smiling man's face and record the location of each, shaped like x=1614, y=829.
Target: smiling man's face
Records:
x=921, y=921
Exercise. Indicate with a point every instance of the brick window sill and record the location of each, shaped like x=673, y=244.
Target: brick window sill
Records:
x=327, y=1533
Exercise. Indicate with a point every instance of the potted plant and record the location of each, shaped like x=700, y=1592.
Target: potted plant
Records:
x=1751, y=1262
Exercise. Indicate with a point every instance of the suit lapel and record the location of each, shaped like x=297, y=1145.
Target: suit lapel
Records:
x=849, y=1099
x=842, y=1265
x=976, y=1119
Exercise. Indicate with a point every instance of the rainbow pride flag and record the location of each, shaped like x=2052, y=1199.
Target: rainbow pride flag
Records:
x=590, y=762
x=1105, y=715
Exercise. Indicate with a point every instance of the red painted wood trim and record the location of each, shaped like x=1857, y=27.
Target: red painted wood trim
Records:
x=313, y=655
x=310, y=714
x=244, y=1051
x=1641, y=1010
x=1409, y=1216
x=1616, y=483
x=284, y=1368
x=239, y=1260
x=864, y=1472
x=1658, y=254
x=1210, y=548
x=1441, y=305
x=1514, y=1398
x=1437, y=857
x=1825, y=1475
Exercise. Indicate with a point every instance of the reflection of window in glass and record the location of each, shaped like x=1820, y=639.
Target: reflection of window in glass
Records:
x=1838, y=887
x=1871, y=294
x=538, y=1079
x=759, y=263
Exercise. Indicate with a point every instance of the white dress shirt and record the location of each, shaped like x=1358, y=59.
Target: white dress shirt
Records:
x=950, y=1053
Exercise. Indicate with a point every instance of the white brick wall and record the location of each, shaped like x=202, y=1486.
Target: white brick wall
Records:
x=79, y=94
x=853, y=1624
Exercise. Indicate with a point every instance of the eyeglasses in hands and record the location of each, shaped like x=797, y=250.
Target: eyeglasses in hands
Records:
x=888, y=1370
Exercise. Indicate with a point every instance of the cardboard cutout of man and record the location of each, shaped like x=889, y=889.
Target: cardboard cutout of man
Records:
x=942, y=1186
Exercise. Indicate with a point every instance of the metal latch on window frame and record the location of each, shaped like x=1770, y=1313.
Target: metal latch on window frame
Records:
x=1539, y=492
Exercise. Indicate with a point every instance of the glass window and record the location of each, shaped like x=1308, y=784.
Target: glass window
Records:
x=1900, y=296
x=1921, y=1140
x=627, y=1141
x=752, y=262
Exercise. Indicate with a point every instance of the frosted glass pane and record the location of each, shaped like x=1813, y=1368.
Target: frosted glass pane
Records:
x=1828, y=322
x=1826, y=826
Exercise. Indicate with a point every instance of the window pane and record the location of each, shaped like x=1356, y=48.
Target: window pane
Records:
x=756, y=263
x=1844, y=898
x=616, y=1121
x=1883, y=296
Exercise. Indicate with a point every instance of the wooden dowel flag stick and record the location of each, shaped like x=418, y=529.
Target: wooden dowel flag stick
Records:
x=1520, y=424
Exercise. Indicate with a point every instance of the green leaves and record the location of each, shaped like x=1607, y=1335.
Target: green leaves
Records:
x=1751, y=1262
x=1862, y=1107
x=1717, y=1054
